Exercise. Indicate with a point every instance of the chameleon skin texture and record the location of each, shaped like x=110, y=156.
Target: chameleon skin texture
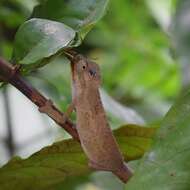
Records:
x=93, y=128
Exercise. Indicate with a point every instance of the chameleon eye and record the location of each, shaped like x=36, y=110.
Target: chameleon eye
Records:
x=84, y=67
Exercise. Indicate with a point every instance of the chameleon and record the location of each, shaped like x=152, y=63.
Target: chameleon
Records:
x=92, y=125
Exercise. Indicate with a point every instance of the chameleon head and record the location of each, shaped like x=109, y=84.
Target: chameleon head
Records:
x=85, y=71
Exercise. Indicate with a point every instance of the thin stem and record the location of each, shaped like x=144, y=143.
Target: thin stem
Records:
x=9, y=74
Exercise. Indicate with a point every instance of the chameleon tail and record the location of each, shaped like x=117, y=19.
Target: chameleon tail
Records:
x=123, y=173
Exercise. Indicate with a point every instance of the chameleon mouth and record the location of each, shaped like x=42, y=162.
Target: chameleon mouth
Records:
x=92, y=72
x=70, y=54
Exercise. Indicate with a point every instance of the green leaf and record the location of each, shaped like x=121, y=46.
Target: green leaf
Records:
x=52, y=165
x=134, y=140
x=81, y=15
x=166, y=166
x=37, y=39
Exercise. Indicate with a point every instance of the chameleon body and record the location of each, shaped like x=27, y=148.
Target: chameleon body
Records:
x=94, y=132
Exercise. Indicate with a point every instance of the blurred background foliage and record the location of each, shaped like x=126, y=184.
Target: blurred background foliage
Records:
x=135, y=44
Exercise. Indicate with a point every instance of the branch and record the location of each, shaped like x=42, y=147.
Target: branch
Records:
x=9, y=74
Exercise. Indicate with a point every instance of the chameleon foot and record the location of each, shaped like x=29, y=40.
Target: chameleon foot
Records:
x=45, y=108
x=68, y=112
x=49, y=110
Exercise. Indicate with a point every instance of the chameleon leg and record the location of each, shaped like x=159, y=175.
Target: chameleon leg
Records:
x=69, y=111
x=48, y=109
x=51, y=112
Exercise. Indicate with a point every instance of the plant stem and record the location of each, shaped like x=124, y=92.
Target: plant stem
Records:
x=9, y=74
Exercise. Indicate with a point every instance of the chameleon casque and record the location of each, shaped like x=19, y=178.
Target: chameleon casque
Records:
x=93, y=128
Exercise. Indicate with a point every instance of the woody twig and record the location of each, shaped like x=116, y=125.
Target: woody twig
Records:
x=10, y=74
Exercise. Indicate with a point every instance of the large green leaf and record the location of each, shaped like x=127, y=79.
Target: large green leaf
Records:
x=37, y=39
x=56, y=24
x=50, y=166
x=166, y=166
x=81, y=15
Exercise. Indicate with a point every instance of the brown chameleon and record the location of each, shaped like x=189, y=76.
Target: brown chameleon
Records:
x=95, y=134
